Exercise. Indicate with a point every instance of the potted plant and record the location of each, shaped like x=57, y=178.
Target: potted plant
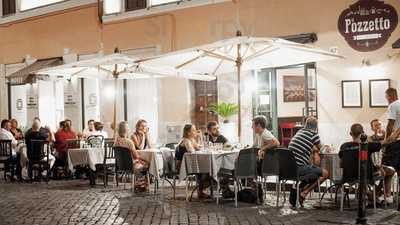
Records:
x=225, y=111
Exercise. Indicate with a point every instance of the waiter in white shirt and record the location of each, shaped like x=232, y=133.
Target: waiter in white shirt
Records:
x=393, y=111
x=391, y=156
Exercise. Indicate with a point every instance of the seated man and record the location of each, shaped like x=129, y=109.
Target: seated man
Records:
x=264, y=140
x=38, y=133
x=214, y=136
x=356, y=131
x=5, y=134
x=304, y=145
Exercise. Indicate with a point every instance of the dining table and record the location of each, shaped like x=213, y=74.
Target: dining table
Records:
x=157, y=159
x=207, y=162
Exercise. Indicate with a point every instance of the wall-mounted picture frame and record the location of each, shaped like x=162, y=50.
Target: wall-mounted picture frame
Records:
x=352, y=94
x=377, y=88
x=293, y=89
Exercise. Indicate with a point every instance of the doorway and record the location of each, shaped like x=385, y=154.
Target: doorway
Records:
x=285, y=96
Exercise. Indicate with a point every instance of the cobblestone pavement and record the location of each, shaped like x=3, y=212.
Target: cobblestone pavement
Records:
x=73, y=202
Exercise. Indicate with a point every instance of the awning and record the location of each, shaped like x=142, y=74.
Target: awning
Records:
x=26, y=76
x=396, y=44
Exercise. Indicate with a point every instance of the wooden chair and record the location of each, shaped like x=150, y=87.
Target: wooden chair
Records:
x=5, y=155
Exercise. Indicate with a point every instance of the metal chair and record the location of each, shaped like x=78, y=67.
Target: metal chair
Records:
x=350, y=164
x=124, y=165
x=169, y=170
x=245, y=167
x=194, y=168
x=109, y=160
x=5, y=156
x=38, y=156
x=288, y=170
x=171, y=145
x=95, y=141
x=270, y=167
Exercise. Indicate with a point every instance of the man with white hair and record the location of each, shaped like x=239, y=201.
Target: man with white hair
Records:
x=305, y=145
x=37, y=132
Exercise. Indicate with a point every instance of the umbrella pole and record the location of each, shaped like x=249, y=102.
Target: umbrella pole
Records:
x=239, y=66
x=115, y=106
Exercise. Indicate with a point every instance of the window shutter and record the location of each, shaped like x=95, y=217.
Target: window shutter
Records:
x=8, y=7
x=135, y=4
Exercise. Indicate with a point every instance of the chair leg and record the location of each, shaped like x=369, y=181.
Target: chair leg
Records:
x=298, y=194
x=105, y=176
x=116, y=178
x=187, y=189
x=284, y=192
x=217, y=191
x=341, y=197
x=384, y=192
x=132, y=176
x=148, y=182
x=174, y=187
x=374, y=196
x=278, y=191
x=319, y=193
x=235, y=186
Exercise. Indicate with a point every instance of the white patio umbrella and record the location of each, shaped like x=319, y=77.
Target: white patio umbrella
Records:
x=238, y=54
x=115, y=66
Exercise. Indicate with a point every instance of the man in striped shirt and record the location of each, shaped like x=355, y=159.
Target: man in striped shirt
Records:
x=306, y=145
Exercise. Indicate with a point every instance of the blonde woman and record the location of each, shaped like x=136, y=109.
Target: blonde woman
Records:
x=140, y=165
x=141, y=135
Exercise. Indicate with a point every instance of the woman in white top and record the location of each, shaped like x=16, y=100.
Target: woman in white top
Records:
x=141, y=135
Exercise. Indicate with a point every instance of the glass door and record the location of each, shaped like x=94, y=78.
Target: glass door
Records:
x=310, y=91
x=264, y=97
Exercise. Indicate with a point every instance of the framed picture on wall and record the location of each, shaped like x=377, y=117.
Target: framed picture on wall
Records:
x=352, y=94
x=377, y=90
x=293, y=89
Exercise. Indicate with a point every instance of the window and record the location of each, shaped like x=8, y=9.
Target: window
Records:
x=112, y=6
x=161, y=2
x=8, y=7
x=135, y=4
x=31, y=4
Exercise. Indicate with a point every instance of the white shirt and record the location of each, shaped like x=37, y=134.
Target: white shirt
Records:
x=394, y=113
x=7, y=135
x=88, y=133
x=263, y=139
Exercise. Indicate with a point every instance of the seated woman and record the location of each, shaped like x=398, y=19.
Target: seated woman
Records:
x=190, y=143
x=140, y=165
x=16, y=132
x=62, y=135
x=141, y=135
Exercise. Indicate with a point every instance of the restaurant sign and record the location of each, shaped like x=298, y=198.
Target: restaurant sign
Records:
x=367, y=24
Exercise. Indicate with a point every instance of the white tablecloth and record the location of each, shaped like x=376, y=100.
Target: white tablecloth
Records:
x=207, y=162
x=86, y=157
x=155, y=158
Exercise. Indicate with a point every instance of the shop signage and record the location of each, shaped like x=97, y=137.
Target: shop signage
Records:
x=70, y=97
x=31, y=101
x=19, y=105
x=92, y=100
x=367, y=24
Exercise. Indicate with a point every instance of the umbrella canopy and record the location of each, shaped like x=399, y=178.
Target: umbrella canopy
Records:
x=115, y=66
x=240, y=54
